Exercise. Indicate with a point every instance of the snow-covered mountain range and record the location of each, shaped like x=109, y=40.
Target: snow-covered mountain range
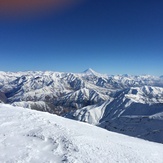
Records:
x=126, y=104
x=28, y=136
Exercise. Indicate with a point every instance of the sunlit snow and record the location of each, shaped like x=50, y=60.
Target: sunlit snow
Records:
x=32, y=136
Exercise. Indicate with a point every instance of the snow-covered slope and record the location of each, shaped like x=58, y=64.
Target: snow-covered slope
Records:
x=54, y=88
x=131, y=112
x=32, y=136
x=91, y=97
x=62, y=91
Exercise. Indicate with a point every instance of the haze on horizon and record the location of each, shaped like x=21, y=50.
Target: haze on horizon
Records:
x=113, y=37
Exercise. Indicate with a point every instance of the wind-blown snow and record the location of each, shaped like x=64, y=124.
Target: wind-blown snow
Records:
x=31, y=136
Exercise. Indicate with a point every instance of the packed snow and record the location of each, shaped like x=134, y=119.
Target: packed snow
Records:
x=39, y=137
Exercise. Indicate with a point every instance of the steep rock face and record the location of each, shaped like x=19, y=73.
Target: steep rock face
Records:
x=3, y=98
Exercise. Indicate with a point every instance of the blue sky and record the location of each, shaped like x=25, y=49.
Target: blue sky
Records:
x=110, y=36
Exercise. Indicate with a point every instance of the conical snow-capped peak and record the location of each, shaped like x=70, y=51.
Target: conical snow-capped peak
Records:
x=90, y=71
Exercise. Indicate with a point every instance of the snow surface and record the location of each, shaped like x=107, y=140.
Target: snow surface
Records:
x=38, y=137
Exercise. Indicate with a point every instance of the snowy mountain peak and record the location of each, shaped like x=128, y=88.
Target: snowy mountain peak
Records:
x=125, y=75
x=90, y=71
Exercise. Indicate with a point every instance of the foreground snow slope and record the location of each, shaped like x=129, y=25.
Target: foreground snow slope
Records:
x=31, y=136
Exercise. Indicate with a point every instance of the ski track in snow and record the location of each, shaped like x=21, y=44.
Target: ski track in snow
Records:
x=37, y=137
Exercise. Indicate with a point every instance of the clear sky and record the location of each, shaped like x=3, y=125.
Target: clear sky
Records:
x=109, y=36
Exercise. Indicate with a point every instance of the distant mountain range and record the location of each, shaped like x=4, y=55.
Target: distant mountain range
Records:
x=127, y=104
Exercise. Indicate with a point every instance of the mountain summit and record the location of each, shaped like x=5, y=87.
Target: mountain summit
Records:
x=90, y=71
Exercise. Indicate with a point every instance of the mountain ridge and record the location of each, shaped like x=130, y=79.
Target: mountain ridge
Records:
x=74, y=94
